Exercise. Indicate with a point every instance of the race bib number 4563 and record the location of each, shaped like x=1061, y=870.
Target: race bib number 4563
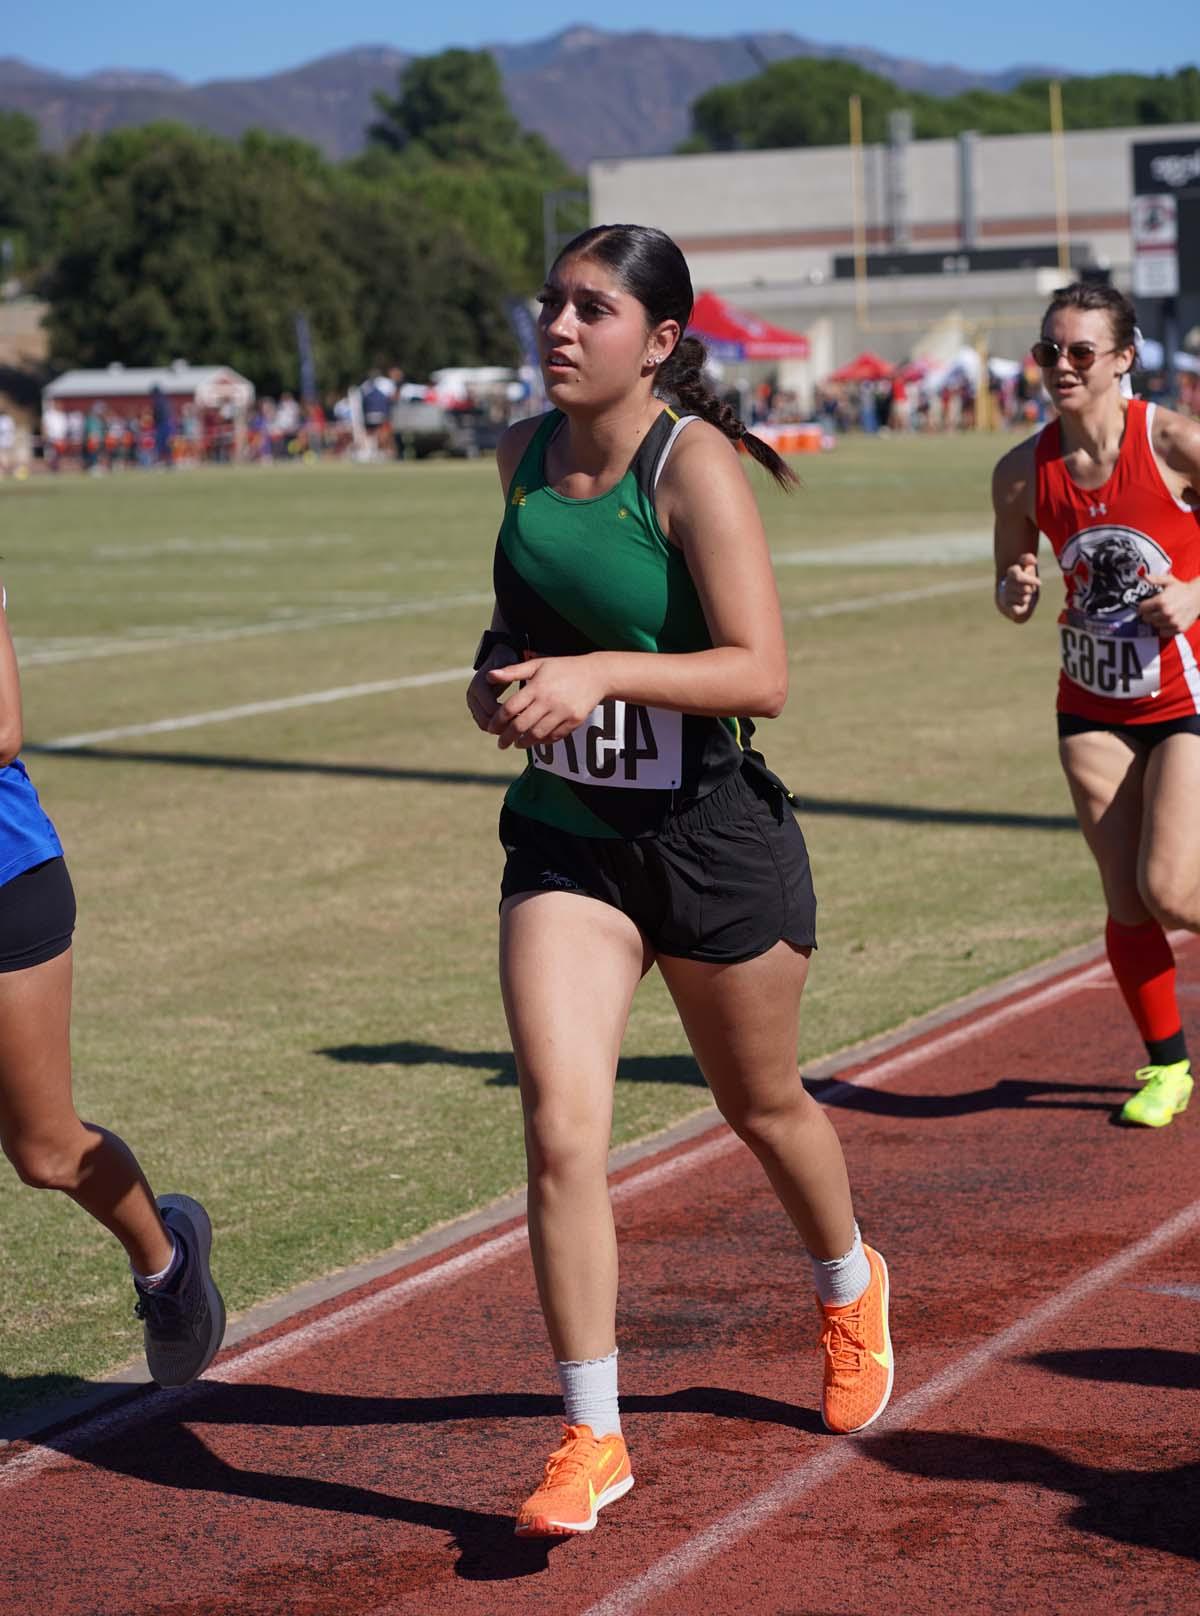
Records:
x=619, y=744
x=1119, y=666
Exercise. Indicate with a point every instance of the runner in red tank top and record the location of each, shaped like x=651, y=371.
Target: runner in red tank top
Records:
x=1114, y=484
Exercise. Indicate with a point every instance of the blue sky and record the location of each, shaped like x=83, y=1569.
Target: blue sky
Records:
x=224, y=39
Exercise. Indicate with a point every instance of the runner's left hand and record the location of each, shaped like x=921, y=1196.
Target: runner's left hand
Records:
x=1174, y=608
x=554, y=697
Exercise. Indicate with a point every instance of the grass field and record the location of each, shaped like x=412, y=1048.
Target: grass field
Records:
x=285, y=976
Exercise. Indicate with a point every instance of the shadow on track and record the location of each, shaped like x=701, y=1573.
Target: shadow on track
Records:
x=807, y=807
x=631, y=1069
x=1133, y=1366
x=1152, y=1509
x=167, y=1451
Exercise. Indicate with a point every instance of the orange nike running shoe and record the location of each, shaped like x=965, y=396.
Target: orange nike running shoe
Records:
x=582, y=1476
x=858, y=1355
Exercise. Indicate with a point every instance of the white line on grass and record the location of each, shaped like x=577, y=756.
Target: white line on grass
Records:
x=47, y=653
x=898, y=597
x=906, y=550
x=730, y=1530
x=32, y=654
x=344, y=1319
x=223, y=715
x=313, y=698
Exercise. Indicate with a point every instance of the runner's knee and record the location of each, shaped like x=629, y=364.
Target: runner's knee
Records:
x=561, y=1145
x=45, y=1163
x=1170, y=901
x=765, y=1124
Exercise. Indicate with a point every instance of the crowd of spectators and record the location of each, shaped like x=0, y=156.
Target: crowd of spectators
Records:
x=361, y=423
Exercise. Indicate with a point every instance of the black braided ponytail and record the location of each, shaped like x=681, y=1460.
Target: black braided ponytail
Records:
x=651, y=268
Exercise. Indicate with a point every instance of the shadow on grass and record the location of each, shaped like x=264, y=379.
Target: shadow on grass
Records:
x=20, y=1393
x=167, y=1451
x=1006, y=1094
x=806, y=807
x=499, y=1063
x=255, y=765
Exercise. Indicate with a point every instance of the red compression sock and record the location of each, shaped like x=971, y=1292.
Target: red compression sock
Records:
x=1144, y=967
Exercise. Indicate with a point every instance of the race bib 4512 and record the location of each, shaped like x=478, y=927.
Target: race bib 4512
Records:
x=620, y=743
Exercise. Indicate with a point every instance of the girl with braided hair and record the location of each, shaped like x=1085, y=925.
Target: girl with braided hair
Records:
x=637, y=624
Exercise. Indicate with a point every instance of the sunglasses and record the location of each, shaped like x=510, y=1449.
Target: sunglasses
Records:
x=1082, y=355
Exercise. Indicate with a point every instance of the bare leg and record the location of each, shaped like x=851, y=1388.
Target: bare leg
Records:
x=1169, y=853
x=42, y=1135
x=569, y=966
x=1106, y=775
x=742, y=1022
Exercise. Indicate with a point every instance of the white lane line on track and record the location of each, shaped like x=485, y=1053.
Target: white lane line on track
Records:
x=731, y=1529
x=313, y=698
x=31, y=654
x=252, y=709
x=153, y=1404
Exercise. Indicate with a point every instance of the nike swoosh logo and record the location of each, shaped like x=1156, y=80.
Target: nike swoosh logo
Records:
x=883, y=1359
x=608, y=1480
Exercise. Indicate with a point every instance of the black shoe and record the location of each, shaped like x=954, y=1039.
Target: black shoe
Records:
x=184, y=1320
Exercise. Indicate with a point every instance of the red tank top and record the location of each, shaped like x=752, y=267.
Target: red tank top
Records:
x=1107, y=540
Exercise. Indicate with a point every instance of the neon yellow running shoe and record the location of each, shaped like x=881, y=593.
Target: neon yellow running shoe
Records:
x=1165, y=1093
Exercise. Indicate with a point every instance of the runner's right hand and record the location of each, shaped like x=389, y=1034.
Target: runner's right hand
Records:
x=1017, y=591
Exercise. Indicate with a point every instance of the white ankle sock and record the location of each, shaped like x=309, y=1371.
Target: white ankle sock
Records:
x=842, y=1280
x=151, y=1282
x=589, y=1391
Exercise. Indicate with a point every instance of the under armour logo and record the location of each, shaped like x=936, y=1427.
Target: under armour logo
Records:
x=1098, y=510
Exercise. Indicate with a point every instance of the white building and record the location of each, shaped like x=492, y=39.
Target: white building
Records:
x=965, y=231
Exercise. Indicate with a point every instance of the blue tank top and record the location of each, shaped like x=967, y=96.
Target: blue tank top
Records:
x=26, y=835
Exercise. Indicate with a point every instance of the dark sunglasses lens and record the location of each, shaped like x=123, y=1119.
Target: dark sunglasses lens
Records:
x=1081, y=354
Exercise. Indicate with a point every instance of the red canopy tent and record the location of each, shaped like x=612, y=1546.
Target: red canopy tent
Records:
x=730, y=333
x=865, y=367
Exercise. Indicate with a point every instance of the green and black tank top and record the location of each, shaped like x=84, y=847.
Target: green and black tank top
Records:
x=580, y=575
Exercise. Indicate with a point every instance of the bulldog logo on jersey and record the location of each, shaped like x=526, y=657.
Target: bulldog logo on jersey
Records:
x=1106, y=569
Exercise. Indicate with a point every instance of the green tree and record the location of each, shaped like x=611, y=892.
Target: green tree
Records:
x=803, y=102
x=800, y=102
x=178, y=244
x=450, y=137
x=427, y=292
x=30, y=186
x=453, y=104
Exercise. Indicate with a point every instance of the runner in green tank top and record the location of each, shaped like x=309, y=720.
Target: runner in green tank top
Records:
x=636, y=623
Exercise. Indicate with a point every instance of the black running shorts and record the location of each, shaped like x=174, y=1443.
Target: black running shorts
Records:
x=1147, y=735
x=37, y=916
x=725, y=881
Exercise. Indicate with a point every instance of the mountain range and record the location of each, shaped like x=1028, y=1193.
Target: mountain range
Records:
x=591, y=92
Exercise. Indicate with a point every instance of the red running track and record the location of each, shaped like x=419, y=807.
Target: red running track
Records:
x=1040, y=1455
